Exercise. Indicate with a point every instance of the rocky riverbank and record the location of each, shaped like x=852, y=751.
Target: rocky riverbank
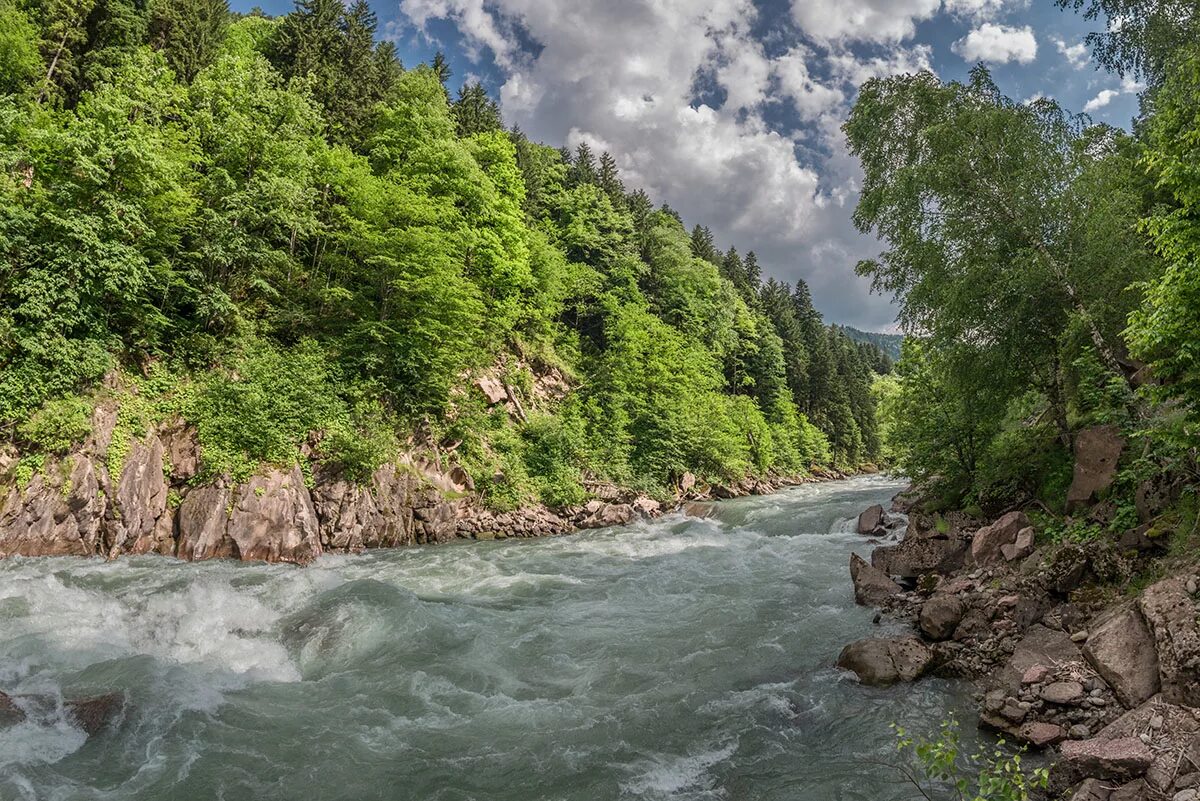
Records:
x=1065, y=656
x=88, y=504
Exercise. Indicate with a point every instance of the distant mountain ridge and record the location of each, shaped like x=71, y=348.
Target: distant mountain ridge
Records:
x=888, y=343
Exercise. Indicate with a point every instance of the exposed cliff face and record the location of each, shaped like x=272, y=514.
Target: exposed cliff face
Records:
x=72, y=506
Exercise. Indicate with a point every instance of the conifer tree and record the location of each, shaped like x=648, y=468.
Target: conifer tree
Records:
x=703, y=246
x=188, y=33
x=475, y=112
x=610, y=180
x=583, y=167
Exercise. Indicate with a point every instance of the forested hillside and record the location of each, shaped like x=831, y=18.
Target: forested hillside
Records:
x=888, y=343
x=1047, y=271
x=273, y=230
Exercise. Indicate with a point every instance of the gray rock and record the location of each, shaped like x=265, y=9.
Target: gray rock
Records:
x=1063, y=692
x=1091, y=790
x=988, y=541
x=1097, y=451
x=1170, y=614
x=1124, y=758
x=882, y=662
x=940, y=616
x=872, y=587
x=870, y=520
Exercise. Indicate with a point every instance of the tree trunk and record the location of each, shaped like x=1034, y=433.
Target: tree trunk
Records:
x=53, y=66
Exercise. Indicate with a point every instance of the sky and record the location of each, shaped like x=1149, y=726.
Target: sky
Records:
x=730, y=110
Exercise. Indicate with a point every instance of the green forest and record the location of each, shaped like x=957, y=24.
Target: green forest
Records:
x=1047, y=270
x=273, y=230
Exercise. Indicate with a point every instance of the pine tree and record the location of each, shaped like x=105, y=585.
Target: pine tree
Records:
x=441, y=68
x=733, y=270
x=703, y=246
x=475, y=112
x=753, y=271
x=188, y=33
x=610, y=180
x=583, y=167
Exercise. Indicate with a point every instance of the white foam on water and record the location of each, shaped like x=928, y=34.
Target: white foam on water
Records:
x=44, y=737
x=667, y=776
x=212, y=624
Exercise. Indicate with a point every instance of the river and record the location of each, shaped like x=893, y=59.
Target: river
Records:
x=680, y=659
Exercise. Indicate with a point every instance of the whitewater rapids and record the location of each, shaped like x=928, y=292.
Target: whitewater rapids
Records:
x=680, y=659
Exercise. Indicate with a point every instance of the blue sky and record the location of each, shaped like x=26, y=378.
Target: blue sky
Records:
x=729, y=110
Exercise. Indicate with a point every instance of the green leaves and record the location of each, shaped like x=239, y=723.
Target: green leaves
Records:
x=941, y=768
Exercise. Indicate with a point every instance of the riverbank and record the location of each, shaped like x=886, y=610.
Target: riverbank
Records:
x=85, y=504
x=1090, y=649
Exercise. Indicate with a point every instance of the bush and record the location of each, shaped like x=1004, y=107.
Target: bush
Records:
x=939, y=769
x=57, y=425
x=262, y=406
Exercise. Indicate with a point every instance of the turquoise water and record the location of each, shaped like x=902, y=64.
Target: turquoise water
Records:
x=679, y=659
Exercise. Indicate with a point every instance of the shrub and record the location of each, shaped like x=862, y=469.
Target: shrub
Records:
x=938, y=768
x=58, y=424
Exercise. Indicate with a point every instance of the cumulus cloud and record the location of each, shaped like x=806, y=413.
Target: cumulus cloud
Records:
x=1101, y=100
x=862, y=20
x=810, y=97
x=982, y=10
x=1076, y=55
x=998, y=44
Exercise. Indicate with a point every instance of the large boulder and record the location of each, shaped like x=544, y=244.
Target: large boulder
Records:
x=94, y=714
x=138, y=521
x=1097, y=451
x=606, y=515
x=1170, y=613
x=915, y=556
x=269, y=518
x=872, y=587
x=1122, y=651
x=1020, y=548
x=882, y=662
x=940, y=616
x=870, y=520
x=987, y=547
x=1040, y=646
x=1169, y=729
x=1119, y=759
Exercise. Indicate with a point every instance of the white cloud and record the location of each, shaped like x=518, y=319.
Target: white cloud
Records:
x=856, y=70
x=981, y=10
x=1077, y=55
x=810, y=97
x=1130, y=86
x=744, y=74
x=862, y=20
x=998, y=44
x=1101, y=100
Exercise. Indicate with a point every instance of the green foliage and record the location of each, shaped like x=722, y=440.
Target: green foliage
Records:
x=262, y=407
x=939, y=768
x=1163, y=330
x=57, y=425
x=268, y=228
x=1076, y=532
x=20, y=61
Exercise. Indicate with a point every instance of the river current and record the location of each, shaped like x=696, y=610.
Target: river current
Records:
x=680, y=659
